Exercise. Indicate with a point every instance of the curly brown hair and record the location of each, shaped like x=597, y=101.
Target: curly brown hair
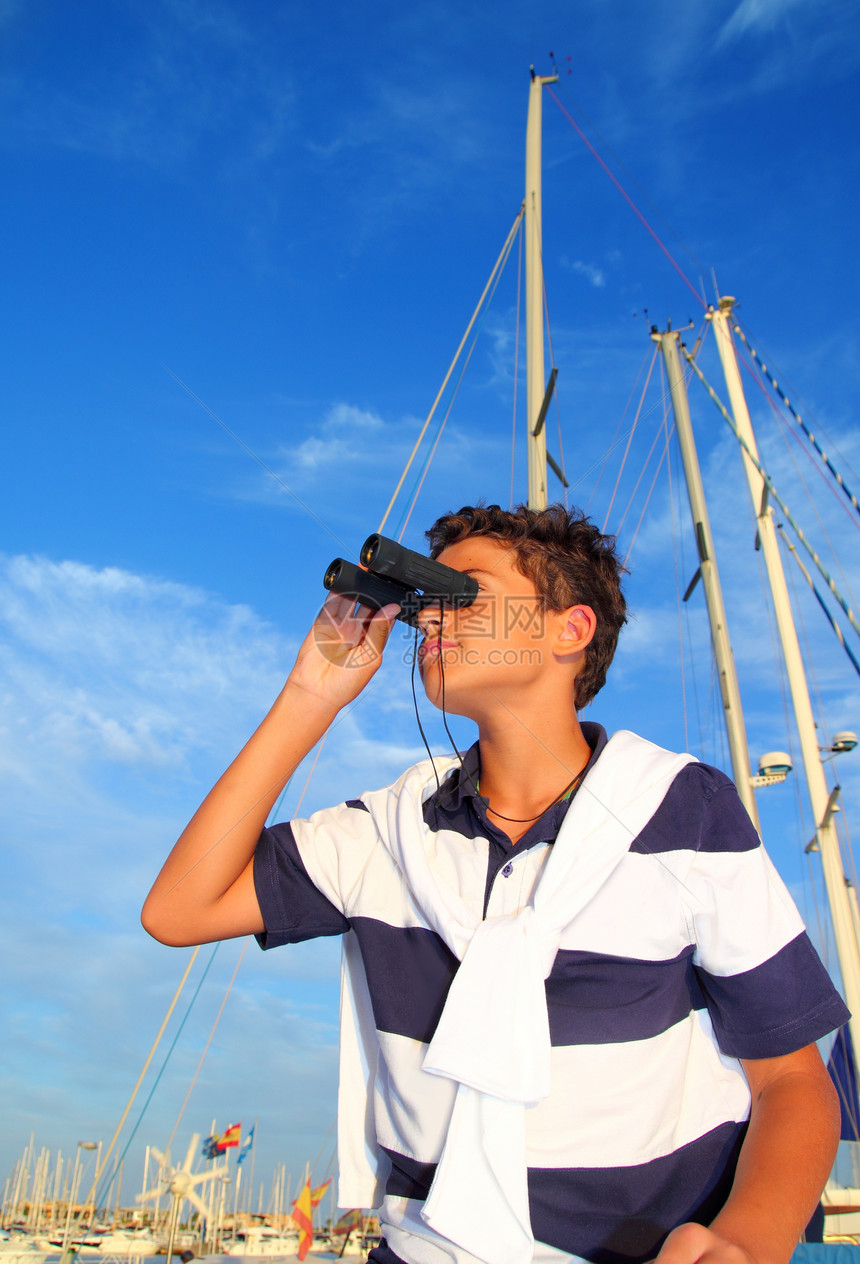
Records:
x=567, y=559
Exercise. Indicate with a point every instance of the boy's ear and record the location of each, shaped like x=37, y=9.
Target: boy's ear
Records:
x=578, y=625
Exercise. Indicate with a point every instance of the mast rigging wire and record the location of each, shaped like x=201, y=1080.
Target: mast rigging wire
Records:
x=681, y=273
x=786, y=430
x=604, y=460
x=102, y=1196
x=516, y=364
x=608, y=148
x=650, y=493
x=630, y=434
x=419, y=483
x=206, y=1046
x=797, y=417
x=497, y=266
x=787, y=433
x=768, y=482
x=100, y=1170
x=840, y=849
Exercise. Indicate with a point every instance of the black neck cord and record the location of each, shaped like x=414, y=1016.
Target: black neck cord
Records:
x=417, y=716
x=444, y=717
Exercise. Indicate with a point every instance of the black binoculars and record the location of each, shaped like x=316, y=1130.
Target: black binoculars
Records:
x=389, y=573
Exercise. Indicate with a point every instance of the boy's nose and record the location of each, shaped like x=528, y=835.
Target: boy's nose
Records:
x=430, y=621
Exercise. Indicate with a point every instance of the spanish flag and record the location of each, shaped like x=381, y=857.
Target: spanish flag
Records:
x=318, y=1194
x=302, y=1213
x=231, y=1137
x=349, y=1220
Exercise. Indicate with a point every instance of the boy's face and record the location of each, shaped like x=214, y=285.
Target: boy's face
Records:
x=501, y=643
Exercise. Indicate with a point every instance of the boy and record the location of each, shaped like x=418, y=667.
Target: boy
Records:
x=579, y=1008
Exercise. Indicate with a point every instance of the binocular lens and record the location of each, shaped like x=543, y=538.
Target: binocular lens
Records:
x=369, y=550
x=332, y=573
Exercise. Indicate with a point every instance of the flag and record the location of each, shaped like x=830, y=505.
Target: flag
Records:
x=302, y=1213
x=318, y=1194
x=230, y=1138
x=349, y=1221
x=210, y=1146
x=246, y=1145
x=841, y=1068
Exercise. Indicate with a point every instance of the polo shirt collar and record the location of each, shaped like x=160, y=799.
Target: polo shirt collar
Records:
x=460, y=783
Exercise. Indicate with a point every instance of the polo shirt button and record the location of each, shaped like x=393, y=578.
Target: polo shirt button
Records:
x=508, y=870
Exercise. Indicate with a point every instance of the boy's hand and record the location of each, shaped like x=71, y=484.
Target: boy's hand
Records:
x=342, y=651
x=694, y=1244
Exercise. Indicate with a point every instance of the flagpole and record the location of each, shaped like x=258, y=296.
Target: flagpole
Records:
x=210, y=1212
x=250, y=1195
x=236, y=1195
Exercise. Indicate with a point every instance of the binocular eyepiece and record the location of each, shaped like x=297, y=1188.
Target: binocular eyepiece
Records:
x=389, y=573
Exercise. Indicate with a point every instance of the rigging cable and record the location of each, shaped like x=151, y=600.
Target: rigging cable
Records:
x=786, y=426
x=608, y=148
x=516, y=365
x=102, y=1196
x=772, y=490
x=650, y=493
x=645, y=465
x=797, y=417
x=419, y=483
x=320, y=745
x=605, y=458
x=100, y=1170
x=802, y=826
x=208, y=1043
x=821, y=711
x=499, y=263
x=787, y=434
x=681, y=273
x=630, y=434
x=796, y=606
x=632, y=496
x=492, y=282
x=787, y=431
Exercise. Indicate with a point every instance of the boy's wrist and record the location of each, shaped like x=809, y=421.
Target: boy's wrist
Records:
x=313, y=707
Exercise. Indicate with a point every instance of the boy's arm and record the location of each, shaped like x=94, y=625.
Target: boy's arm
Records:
x=784, y=1162
x=205, y=890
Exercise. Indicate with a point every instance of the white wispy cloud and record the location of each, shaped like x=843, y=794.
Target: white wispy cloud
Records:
x=347, y=435
x=594, y=274
x=123, y=698
x=103, y=664
x=761, y=15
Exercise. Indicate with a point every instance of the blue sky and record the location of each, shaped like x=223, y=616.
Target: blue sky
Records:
x=293, y=211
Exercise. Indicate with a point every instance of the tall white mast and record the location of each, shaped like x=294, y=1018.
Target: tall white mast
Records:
x=729, y=688
x=536, y=389
x=823, y=803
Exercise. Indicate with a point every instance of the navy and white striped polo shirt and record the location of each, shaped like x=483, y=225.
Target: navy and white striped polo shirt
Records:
x=690, y=957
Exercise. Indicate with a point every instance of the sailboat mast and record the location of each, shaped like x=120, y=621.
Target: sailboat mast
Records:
x=822, y=802
x=535, y=379
x=729, y=688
